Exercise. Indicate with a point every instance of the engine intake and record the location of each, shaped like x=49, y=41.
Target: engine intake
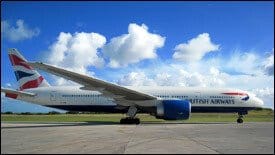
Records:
x=173, y=109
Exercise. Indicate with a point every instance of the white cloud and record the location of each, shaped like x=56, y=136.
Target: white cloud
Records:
x=137, y=45
x=264, y=91
x=175, y=75
x=18, y=33
x=164, y=79
x=268, y=64
x=76, y=52
x=2, y=95
x=172, y=75
x=136, y=79
x=266, y=94
x=244, y=62
x=195, y=49
x=179, y=77
x=12, y=85
x=8, y=84
x=250, y=63
x=212, y=73
x=64, y=82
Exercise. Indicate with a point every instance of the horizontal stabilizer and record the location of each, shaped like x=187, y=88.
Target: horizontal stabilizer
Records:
x=17, y=92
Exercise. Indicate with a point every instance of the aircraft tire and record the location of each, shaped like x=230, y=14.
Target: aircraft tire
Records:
x=239, y=120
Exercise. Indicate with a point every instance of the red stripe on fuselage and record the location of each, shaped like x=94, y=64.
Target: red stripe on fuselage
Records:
x=15, y=60
x=10, y=95
x=32, y=84
x=234, y=93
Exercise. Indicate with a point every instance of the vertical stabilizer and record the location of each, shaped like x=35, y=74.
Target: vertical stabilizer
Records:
x=26, y=75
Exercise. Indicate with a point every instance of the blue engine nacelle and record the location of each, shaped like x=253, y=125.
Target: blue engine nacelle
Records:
x=173, y=109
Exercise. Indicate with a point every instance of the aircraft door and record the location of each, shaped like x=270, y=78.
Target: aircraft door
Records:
x=53, y=96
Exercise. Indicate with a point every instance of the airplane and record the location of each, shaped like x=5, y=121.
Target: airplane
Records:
x=94, y=95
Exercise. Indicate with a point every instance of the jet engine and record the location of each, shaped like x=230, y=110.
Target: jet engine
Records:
x=173, y=109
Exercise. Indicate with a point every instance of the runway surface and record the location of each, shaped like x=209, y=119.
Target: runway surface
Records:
x=158, y=138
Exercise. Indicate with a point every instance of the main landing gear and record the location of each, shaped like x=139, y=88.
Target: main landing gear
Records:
x=131, y=117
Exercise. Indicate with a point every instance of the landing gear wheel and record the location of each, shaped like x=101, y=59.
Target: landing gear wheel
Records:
x=129, y=121
x=239, y=120
x=137, y=121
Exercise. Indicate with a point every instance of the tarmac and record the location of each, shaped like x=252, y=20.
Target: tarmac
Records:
x=157, y=138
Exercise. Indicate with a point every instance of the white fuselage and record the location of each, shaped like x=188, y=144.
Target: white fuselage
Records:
x=199, y=97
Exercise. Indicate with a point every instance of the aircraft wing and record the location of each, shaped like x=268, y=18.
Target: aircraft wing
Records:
x=17, y=92
x=114, y=91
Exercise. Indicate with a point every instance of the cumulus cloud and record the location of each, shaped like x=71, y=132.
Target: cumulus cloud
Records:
x=250, y=63
x=8, y=84
x=266, y=94
x=2, y=95
x=173, y=75
x=20, y=32
x=244, y=62
x=268, y=64
x=195, y=49
x=76, y=52
x=264, y=91
x=179, y=78
x=136, y=79
x=137, y=45
x=211, y=73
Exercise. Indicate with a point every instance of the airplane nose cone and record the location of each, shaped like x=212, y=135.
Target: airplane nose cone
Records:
x=259, y=102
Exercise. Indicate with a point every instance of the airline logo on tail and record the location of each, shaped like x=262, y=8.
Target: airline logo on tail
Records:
x=25, y=74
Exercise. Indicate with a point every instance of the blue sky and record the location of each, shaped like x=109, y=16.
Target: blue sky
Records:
x=238, y=31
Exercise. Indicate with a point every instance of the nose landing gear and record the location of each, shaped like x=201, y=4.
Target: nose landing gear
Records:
x=240, y=118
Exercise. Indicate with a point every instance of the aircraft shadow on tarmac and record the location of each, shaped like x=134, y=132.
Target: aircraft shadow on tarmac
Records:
x=62, y=124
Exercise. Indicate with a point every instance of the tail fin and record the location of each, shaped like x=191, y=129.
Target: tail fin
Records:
x=26, y=76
